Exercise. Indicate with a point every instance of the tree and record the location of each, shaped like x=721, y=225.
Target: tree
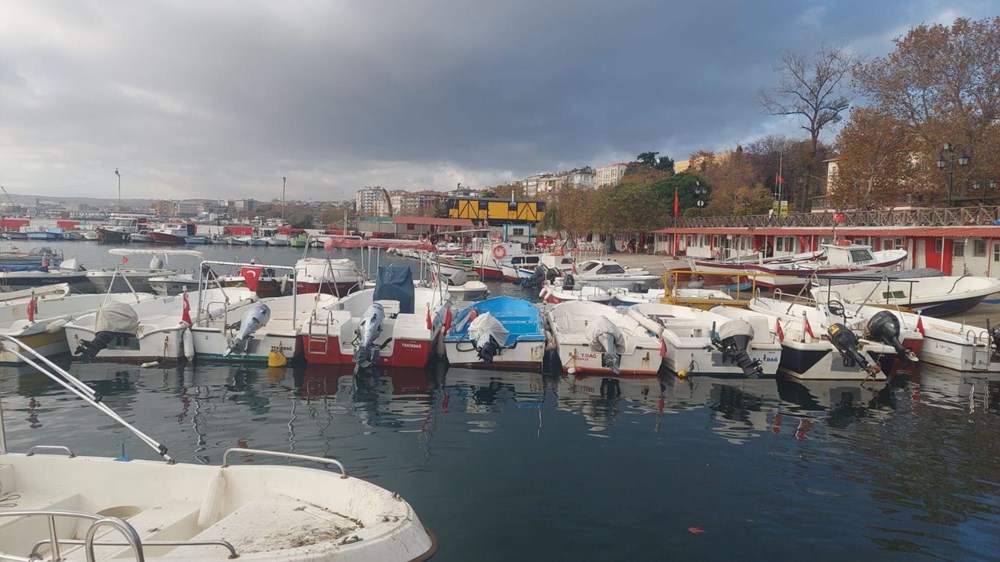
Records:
x=813, y=89
x=647, y=158
x=941, y=82
x=876, y=167
x=684, y=184
x=736, y=186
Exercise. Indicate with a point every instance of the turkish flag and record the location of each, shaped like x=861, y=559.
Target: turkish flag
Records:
x=186, y=311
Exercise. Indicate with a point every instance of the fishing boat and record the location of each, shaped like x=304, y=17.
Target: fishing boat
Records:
x=931, y=296
x=946, y=343
x=462, y=288
x=595, y=338
x=699, y=342
x=38, y=318
x=553, y=293
x=76, y=507
x=498, y=333
x=396, y=324
x=806, y=353
x=15, y=277
x=262, y=280
x=119, y=230
x=173, y=233
x=839, y=259
x=197, y=240
x=518, y=267
x=124, y=279
x=141, y=237
x=44, y=256
x=608, y=274
x=325, y=275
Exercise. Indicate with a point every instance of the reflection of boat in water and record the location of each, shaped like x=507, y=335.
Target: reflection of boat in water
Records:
x=740, y=408
x=602, y=398
x=971, y=392
x=477, y=391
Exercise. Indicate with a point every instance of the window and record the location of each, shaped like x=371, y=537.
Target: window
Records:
x=783, y=244
x=861, y=256
x=979, y=248
x=958, y=250
x=996, y=251
x=409, y=226
x=517, y=231
x=938, y=245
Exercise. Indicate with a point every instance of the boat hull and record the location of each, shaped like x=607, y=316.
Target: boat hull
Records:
x=108, y=236
x=327, y=350
x=524, y=356
x=211, y=344
x=163, y=344
x=584, y=359
x=709, y=361
x=820, y=362
x=166, y=238
x=44, y=342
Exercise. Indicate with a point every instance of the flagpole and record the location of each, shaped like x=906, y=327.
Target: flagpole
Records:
x=781, y=185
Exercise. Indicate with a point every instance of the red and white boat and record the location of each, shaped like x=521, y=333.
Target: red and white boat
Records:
x=398, y=326
x=843, y=258
x=173, y=233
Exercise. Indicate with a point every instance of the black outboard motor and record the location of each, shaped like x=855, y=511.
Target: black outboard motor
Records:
x=884, y=327
x=994, y=338
x=846, y=342
x=568, y=282
x=488, y=350
x=537, y=277
x=732, y=340
x=115, y=322
x=551, y=273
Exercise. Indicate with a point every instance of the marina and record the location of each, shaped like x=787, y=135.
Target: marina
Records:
x=739, y=450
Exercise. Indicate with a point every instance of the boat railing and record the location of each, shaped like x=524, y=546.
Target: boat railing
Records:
x=280, y=454
x=202, y=286
x=74, y=385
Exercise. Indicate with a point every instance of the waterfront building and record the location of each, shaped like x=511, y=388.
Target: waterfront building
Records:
x=370, y=201
x=610, y=174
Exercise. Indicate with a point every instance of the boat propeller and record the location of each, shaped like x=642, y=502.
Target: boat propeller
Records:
x=732, y=340
x=884, y=327
x=846, y=342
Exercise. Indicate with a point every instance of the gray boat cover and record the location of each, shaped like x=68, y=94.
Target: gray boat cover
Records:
x=602, y=326
x=395, y=283
x=484, y=326
x=116, y=317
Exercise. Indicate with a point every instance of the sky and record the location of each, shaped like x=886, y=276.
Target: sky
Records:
x=224, y=99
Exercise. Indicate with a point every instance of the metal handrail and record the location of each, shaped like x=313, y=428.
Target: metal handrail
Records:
x=77, y=542
x=74, y=385
x=292, y=269
x=98, y=520
x=294, y=456
x=32, y=450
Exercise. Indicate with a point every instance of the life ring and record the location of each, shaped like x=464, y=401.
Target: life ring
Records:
x=499, y=252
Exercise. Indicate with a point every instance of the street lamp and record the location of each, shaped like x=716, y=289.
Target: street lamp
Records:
x=949, y=162
x=283, y=179
x=119, y=190
x=700, y=192
x=978, y=184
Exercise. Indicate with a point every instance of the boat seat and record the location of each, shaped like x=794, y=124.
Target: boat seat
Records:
x=260, y=526
x=174, y=520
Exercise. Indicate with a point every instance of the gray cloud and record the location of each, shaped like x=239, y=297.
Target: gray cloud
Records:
x=196, y=99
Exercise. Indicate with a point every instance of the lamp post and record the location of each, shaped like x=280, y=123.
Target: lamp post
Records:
x=949, y=162
x=283, y=180
x=119, y=190
x=984, y=185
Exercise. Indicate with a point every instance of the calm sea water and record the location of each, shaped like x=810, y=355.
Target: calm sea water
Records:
x=532, y=466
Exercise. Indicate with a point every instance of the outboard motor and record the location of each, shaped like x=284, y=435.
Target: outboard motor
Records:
x=846, y=342
x=115, y=320
x=607, y=339
x=252, y=320
x=732, y=340
x=156, y=263
x=884, y=327
x=551, y=273
x=537, y=277
x=458, y=279
x=369, y=329
x=488, y=335
x=994, y=333
x=568, y=282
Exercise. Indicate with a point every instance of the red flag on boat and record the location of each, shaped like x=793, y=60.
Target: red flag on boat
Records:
x=663, y=348
x=124, y=260
x=920, y=325
x=447, y=320
x=32, y=309
x=677, y=203
x=430, y=325
x=779, y=331
x=809, y=328
x=186, y=311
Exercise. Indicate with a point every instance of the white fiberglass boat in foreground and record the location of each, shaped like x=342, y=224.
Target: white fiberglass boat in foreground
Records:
x=74, y=508
x=596, y=338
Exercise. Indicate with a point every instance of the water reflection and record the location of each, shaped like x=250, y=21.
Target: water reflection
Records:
x=602, y=400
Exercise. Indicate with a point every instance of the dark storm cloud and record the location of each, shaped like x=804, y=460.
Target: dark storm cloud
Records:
x=223, y=98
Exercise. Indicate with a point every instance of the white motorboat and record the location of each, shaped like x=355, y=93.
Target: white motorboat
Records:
x=596, y=338
x=498, y=333
x=470, y=290
x=697, y=342
x=812, y=347
x=124, y=279
x=325, y=275
x=396, y=324
x=73, y=508
x=555, y=294
x=141, y=237
x=955, y=345
x=13, y=278
x=39, y=321
x=608, y=274
x=624, y=297
x=931, y=296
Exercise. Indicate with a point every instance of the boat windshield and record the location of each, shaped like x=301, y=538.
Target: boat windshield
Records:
x=610, y=269
x=861, y=255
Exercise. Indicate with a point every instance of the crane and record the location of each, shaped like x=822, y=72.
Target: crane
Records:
x=10, y=200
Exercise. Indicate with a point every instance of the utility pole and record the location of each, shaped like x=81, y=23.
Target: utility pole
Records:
x=119, y=190
x=283, y=180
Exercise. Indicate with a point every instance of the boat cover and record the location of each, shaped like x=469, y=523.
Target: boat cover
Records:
x=395, y=283
x=23, y=268
x=601, y=326
x=116, y=317
x=483, y=327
